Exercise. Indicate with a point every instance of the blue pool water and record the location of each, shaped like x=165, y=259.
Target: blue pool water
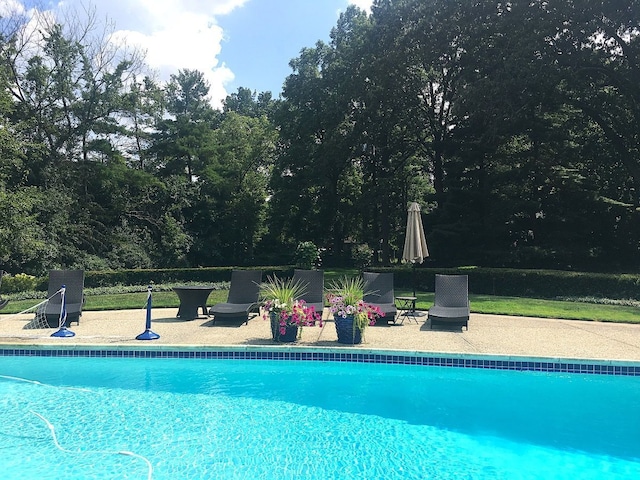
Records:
x=201, y=419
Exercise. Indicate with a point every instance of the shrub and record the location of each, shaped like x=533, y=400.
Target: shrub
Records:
x=307, y=255
x=362, y=256
x=19, y=283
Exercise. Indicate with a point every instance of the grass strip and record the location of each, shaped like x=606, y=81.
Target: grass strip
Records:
x=515, y=306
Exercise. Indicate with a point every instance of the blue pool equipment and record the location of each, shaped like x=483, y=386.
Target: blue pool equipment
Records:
x=63, y=331
x=148, y=334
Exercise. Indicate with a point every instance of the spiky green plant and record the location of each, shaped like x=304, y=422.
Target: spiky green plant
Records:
x=351, y=289
x=281, y=292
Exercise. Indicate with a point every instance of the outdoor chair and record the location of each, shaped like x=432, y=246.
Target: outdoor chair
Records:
x=73, y=280
x=378, y=291
x=451, y=303
x=244, y=293
x=313, y=283
x=3, y=302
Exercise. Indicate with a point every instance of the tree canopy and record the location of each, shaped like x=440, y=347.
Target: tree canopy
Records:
x=515, y=125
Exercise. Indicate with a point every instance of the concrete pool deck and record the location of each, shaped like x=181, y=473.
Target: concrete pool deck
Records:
x=487, y=335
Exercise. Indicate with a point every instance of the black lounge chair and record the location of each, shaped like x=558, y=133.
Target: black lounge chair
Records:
x=378, y=291
x=3, y=302
x=73, y=280
x=313, y=283
x=244, y=293
x=451, y=303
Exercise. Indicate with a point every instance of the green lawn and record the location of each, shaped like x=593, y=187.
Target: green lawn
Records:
x=479, y=304
x=121, y=301
x=534, y=307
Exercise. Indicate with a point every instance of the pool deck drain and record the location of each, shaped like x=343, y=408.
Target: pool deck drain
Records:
x=487, y=335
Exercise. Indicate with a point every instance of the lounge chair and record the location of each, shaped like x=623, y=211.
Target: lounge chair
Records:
x=451, y=303
x=244, y=293
x=3, y=302
x=313, y=283
x=378, y=291
x=73, y=280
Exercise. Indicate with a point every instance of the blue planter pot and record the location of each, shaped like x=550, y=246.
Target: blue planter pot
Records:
x=347, y=332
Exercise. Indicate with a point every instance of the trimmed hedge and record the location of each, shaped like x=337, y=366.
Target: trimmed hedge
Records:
x=488, y=281
x=143, y=277
x=526, y=283
x=170, y=275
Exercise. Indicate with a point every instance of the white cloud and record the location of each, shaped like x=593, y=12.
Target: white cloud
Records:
x=362, y=4
x=10, y=7
x=153, y=15
x=176, y=34
x=192, y=42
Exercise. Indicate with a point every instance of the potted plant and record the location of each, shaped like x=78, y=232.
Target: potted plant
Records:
x=287, y=315
x=350, y=312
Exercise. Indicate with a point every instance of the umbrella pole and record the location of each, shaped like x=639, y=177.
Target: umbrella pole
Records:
x=413, y=275
x=415, y=313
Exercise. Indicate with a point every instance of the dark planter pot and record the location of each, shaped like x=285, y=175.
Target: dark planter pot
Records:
x=348, y=333
x=290, y=334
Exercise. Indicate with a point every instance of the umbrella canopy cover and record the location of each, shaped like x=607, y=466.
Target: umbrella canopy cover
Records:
x=415, y=243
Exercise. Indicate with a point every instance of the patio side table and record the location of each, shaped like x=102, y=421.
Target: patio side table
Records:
x=408, y=307
x=191, y=298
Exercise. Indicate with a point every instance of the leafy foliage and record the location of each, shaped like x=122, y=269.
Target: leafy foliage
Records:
x=514, y=124
x=307, y=255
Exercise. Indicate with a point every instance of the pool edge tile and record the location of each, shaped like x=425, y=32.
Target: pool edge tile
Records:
x=336, y=354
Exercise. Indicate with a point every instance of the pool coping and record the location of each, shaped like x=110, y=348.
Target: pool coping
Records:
x=332, y=354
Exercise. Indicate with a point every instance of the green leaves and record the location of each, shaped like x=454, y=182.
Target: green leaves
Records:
x=281, y=292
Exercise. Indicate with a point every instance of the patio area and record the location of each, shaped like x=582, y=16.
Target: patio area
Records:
x=487, y=335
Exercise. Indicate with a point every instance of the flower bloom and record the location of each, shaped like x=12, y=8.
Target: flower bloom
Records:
x=337, y=307
x=296, y=313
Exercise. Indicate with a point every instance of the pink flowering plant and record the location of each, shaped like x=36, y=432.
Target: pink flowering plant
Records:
x=346, y=299
x=280, y=302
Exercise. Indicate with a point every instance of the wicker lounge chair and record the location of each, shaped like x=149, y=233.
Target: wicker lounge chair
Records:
x=451, y=303
x=378, y=290
x=73, y=280
x=244, y=293
x=313, y=283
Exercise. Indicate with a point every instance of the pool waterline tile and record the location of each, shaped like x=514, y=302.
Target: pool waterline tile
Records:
x=493, y=362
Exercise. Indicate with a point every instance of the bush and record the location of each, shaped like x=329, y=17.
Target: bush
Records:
x=526, y=282
x=362, y=256
x=307, y=255
x=18, y=283
x=487, y=281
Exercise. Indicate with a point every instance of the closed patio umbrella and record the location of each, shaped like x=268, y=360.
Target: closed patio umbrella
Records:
x=415, y=242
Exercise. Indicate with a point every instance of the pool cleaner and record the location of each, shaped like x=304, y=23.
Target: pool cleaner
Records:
x=100, y=452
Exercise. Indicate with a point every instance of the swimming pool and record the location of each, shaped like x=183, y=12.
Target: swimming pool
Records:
x=197, y=419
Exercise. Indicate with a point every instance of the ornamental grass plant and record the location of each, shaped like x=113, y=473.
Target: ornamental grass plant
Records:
x=346, y=300
x=280, y=302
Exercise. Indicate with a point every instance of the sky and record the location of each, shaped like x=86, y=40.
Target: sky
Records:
x=235, y=43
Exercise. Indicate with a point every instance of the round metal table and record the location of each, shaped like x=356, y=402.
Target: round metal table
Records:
x=191, y=298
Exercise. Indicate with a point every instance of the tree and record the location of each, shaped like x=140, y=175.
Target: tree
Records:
x=351, y=143
x=178, y=142
x=248, y=103
x=233, y=195
x=144, y=106
x=67, y=81
x=71, y=109
x=541, y=103
x=318, y=175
